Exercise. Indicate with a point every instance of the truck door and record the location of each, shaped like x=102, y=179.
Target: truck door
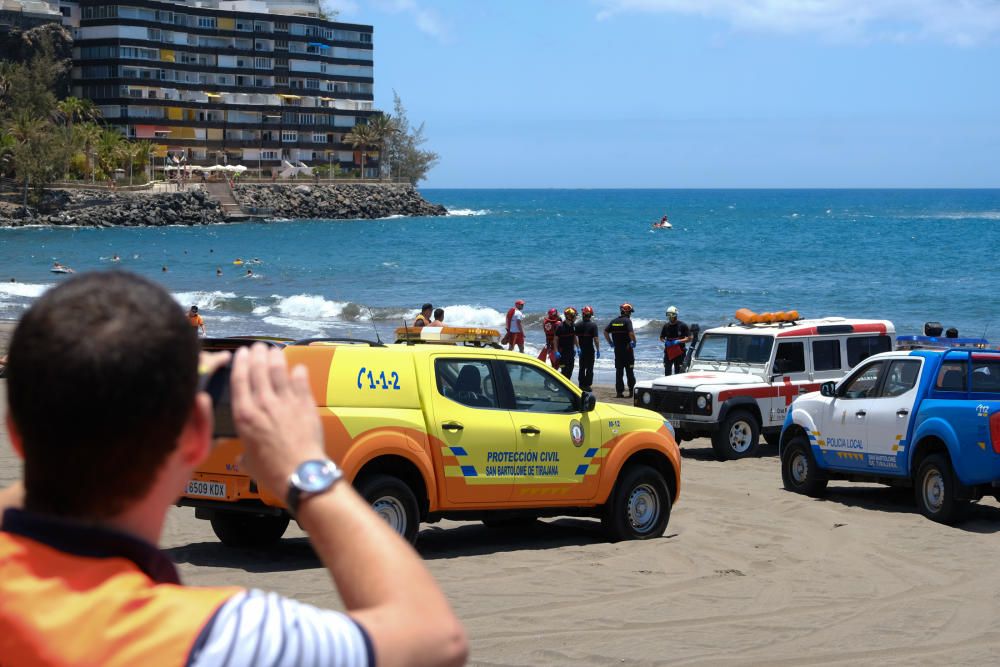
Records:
x=475, y=434
x=844, y=425
x=891, y=416
x=559, y=447
x=789, y=374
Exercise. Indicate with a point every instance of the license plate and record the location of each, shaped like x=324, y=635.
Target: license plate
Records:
x=210, y=489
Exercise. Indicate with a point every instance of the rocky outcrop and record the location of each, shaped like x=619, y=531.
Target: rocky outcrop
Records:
x=334, y=201
x=99, y=208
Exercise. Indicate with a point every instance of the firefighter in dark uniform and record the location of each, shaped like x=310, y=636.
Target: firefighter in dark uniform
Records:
x=621, y=336
x=565, y=340
x=589, y=341
x=674, y=335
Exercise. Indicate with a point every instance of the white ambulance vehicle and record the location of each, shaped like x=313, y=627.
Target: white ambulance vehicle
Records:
x=744, y=376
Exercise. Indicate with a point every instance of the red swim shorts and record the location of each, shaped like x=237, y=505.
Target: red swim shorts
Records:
x=516, y=338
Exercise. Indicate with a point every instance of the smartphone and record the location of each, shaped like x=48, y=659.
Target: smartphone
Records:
x=216, y=385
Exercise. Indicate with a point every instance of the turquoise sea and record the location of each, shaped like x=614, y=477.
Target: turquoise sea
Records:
x=906, y=255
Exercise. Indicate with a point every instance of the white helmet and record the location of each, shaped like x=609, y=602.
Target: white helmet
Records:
x=672, y=310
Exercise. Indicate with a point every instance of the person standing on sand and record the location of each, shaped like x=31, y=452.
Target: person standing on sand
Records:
x=549, y=326
x=621, y=336
x=674, y=335
x=424, y=318
x=590, y=347
x=194, y=319
x=566, y=343
x=82, y=580
x=515, y=326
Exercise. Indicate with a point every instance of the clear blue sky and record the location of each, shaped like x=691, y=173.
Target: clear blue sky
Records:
x=695, y=93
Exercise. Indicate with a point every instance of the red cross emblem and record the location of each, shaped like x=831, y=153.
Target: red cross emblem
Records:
x=788, y=390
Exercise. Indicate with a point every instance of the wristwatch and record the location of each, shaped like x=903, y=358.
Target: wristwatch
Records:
x=310, y=479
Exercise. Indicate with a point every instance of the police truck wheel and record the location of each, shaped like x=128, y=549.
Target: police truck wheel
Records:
x=799, y=471
x=737, y=436
x=393, y=500
x=935, y=490
x=639, y=506
x=238, y=529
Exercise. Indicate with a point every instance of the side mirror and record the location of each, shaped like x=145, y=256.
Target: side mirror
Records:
x=587, y=402
x=828, y=389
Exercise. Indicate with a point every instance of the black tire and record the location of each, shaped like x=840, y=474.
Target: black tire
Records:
x=935, y=490
x=737, y=436
x=241, y=530
x=799, y=472
x=394, y=501
x=639, y=505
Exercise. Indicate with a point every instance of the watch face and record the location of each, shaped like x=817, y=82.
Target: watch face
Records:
x=314, y=476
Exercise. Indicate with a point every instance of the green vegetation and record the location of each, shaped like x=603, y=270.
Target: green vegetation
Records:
x=396, y=142
x=44, y=138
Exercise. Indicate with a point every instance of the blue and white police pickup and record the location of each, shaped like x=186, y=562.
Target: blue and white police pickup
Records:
x=929, y=419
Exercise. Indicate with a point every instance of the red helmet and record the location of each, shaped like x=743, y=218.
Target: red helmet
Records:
x=627, y=308
x=587, y=310
x=519, y=302
x=553, y=312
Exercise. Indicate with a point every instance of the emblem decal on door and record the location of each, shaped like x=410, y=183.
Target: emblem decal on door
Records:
x=576, y=432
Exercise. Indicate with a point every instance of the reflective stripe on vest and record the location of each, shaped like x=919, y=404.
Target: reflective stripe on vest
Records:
x=60, y=609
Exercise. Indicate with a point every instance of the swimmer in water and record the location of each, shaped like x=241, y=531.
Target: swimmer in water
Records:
x=218, y=270
x=116, y=258
x=164, y=269
x=249, y=273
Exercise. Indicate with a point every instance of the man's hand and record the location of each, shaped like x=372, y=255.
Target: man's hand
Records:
x=275, y=416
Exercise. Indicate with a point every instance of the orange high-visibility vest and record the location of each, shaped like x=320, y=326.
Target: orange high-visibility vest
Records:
x=58, y=609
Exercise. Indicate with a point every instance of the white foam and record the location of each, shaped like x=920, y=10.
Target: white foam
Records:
x=302, y=325
x=465, y=212
x=204, y=300
x=261, y=310
x=309, y=307
x=462, y=315
x=638, y=322
x=30, y=290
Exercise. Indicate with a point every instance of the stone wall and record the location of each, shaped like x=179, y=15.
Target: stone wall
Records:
x=335, y=201
x=100, y=208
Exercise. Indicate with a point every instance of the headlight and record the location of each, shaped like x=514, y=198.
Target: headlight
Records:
x=646, y=398
x=702, y=402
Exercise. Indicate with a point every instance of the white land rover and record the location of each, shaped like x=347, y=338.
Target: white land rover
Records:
x=743, y=377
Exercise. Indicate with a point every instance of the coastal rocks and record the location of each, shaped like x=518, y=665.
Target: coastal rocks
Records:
x=334, y=201
x=100, y=208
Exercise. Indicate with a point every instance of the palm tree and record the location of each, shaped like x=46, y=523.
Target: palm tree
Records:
x=109, y=151
x=26, y=132
x=87, y=135
x=384, y=128
x=361, y=137
x=75, y=108
x=143, y=148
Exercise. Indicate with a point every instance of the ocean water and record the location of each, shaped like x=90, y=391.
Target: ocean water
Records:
x=906, y=255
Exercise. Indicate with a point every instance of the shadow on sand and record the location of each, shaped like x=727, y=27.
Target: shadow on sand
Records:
x=706, y=453
x=453, y=541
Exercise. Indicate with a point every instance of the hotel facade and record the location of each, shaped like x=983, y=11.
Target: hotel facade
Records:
x=242, y=82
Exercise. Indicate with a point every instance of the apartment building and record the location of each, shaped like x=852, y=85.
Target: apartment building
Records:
x=239, y=82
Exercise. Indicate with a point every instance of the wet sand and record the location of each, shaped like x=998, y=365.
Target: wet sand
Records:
x=746, y=574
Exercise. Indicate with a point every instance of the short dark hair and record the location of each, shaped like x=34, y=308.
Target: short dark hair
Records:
x=101, y=378
x=426, y=306
x=439, y=314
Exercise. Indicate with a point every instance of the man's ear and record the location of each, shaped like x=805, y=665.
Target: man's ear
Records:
x=15, y=436
x=196, y=437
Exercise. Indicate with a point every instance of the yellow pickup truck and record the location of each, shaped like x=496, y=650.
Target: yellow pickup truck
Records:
x=446, y=425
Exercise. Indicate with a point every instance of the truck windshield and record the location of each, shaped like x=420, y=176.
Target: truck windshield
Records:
x=735, y=348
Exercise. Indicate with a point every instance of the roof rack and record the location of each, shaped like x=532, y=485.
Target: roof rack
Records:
x=941, y=343
x=321, y=341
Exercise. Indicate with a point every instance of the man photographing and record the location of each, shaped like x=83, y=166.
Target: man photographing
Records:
x=103, y=407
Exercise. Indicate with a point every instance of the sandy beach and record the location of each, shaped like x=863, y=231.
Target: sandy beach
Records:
x=746, y=574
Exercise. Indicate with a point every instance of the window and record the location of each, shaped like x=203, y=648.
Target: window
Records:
x=269, y=155
x=790, y=358
x=985, y=374
x=864, y=383
x=951, y=377
x=536, y=390
x=735, y=348
x=289, y=135
x=319, y=138
x=206, y=21
x=901, y=378
x=859, y=349
x=466, y=381
x=826, y=355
